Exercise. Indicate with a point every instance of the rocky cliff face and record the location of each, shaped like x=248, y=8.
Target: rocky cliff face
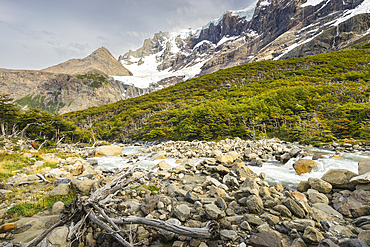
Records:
x=100, y=61
x=57, y=93
x=268, y=29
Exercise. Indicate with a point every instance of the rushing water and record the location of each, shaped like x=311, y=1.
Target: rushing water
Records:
x=275, y=171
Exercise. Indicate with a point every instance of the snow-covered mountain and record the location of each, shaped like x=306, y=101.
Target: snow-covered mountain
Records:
x=267, y=29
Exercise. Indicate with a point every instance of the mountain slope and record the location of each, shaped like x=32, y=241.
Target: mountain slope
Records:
x=268, y=29
x=312, y=99
x=100, y=61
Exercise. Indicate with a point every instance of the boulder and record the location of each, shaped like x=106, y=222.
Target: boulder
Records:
x=254, y=204
x=327, y=243
x=320, y=185
x=294, y=207
x=365, y=236
x=265, y=239
x=228, y=235
x=316, y=197
x=311, y=235
x=212, y=211
x=58, y=237
x=84, y=185
x=284, y=211
x=303, y=186
x=346, y=202
x=298, y=242
x=339, y=178
x=299, y=224
x=163, y=166
x=353, y=243
x=304, y=166
x=364, y=166
x=57, y=208
x=61, y=189
x=111, y=150
x=362, y=179
x=327, y=209
x=227, y=159
x=182, y=212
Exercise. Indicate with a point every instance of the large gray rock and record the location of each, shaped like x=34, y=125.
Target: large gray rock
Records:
x=84, y=186
x=228, y=235
x=311, y=235
x=320, y=185
x=265, y=239
x=298, y=242
x=327, y=209
x=364, y=166
x=60, y=190
x=294, y=207
x=353, y=243
x=57, y=208
x=182, y=212
x=212, y=211
x=339, y=178
x=111, y=150
x=299, y=224
x=316, y=197
x=365, y=236
x=283, y=210
x=254, y=204
x=362, y=179
x=347, y=202
x=58, y=237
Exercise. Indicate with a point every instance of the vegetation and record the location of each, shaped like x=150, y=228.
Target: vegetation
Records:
x=313, y=99
x=38, y=101
x=39, y=203
x=35, y=124
x=93, y=80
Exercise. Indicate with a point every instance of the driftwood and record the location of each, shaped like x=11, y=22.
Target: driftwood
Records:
x=95, y=210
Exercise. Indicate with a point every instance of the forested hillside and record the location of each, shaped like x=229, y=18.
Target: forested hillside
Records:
x=313, y=99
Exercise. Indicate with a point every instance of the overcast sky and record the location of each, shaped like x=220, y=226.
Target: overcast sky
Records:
x=35, y=34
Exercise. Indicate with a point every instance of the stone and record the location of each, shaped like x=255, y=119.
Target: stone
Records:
x=362, y=179
x=159, y=156
x=345, y=201
x=311, y=235
x=220, y=169
x=298, y=242
x=191, y=197
x=212, y=211
x=182, y=212
x=7, y=227
x=245, y=172
x=58, y=237
x=142, y=233
x=303, y=186
x=339, y=178
x=315, y=197
x=57, y=208
x=327, y=243
x=111, y=150
x=364, y=166
x=320, y=185
x=132, y=206
x=82, y=185
x=149, y=203
x=327, y=209
x=363, y=210
x=61, y=189
x=304, y=166
x=364, y=236
x=210, y=161
x=270, y=219
x=279, y=187
x=299, y=224
x=265, y=239
x=188, y=163
x=228, y=235
x=254, y=204
x=294, y=207
x=230, y=180
x=353, y=243
x=298, y=196
x=253, y=220
x=178, y=244
x=285, y=158
x=163, y=166
x=227, y=159
x=283, y=210
x=245, y=226
x=342, y=231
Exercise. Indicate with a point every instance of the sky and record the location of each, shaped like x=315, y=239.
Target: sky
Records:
x=40, y=33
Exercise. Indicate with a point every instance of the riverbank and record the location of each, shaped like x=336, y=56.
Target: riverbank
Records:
x=222, y=187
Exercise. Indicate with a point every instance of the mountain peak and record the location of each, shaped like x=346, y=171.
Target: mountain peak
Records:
x=100, y=61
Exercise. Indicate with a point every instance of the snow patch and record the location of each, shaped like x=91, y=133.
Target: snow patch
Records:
x=226, y=39
x=311, y=3
x=295, y=45
x=247, y=12
x=363, y=8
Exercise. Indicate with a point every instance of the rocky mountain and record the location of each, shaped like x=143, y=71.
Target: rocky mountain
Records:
x=100, y=61
x=73, y=85
x=268, y=29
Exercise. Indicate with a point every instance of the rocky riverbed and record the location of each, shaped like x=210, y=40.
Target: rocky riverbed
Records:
x=222, y=187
